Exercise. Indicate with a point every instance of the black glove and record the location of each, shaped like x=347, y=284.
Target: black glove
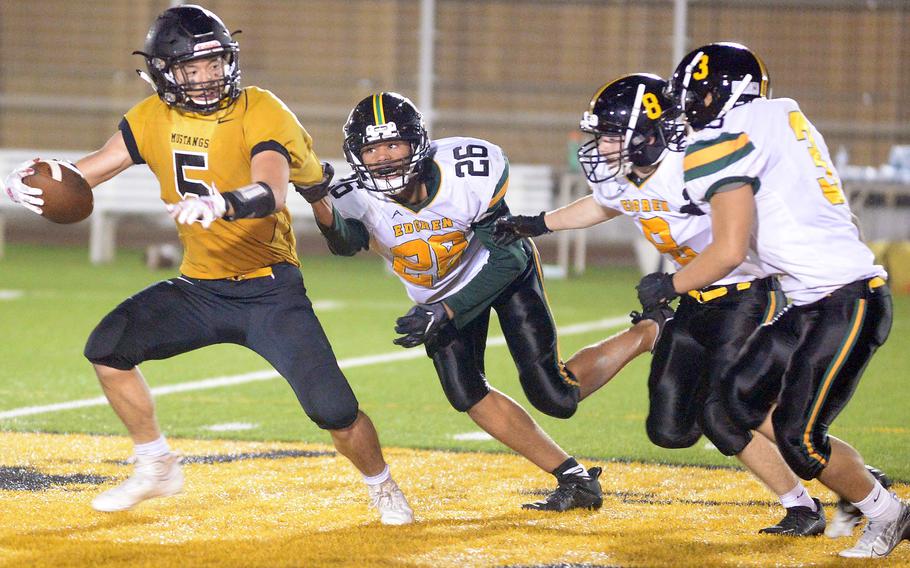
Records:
x=315, y=192
x=420, y=324
x=510, y=228
x=655, y=289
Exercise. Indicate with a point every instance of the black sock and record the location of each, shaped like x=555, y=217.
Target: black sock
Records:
x=570, y=467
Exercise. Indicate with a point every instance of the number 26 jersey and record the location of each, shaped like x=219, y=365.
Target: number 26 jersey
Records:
x=431, y=245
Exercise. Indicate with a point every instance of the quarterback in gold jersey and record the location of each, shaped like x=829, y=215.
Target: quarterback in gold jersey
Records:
x=224, y=157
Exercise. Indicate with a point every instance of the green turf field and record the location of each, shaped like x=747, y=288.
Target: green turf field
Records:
x=50, y=299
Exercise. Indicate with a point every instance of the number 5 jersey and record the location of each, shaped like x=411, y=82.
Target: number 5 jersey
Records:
x=197, y=154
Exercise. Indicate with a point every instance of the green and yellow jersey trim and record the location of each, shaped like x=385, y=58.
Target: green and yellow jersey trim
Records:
x=709, y=157
x=502, y=186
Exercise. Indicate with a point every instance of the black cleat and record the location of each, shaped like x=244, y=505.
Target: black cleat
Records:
x=800, y=521
x=846, y=516
x=573, y=492
x=659, y=314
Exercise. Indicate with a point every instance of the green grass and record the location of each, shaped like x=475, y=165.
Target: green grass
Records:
x=42, y=334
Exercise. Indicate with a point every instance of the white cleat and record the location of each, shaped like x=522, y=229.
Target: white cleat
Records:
x=880, y=538
x=844, y=520
x=391, y=503
x=158, y=476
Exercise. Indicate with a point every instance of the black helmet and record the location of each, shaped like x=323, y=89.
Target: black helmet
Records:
x=731, y=73
x=182, y=34
x=634, y=107
x=383, y=117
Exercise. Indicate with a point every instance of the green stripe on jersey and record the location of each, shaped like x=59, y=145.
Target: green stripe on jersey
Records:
x=719, y=164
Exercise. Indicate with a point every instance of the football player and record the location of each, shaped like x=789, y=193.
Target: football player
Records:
x=634, y=166
x=775, y=197
x=224, y=156
x=428, y=208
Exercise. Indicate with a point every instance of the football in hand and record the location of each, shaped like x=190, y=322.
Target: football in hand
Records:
x=67, y=196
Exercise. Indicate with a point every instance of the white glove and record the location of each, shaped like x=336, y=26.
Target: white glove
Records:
x=204, y=209
x=25, y=195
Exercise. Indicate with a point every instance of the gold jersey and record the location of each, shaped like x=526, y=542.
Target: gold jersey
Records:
x=192, y=153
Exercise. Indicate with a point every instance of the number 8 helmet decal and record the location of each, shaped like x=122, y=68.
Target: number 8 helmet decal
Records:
x=635, y=111
x=731, y=73
x=385, y=117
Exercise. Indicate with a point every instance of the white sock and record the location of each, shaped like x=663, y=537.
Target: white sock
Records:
x=156, y=448
x=380, y=477
x=797, y=497
x=880, y=504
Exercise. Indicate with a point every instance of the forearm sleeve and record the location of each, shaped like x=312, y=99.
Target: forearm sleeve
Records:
x=504, y=265
x=346, y=236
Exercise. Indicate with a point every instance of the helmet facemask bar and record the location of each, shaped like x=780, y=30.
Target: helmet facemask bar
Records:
x=207, y=96
x=392, y=176
x=599, y=167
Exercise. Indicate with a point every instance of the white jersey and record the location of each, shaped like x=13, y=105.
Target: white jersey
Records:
x=803, y=229
x=658, y=207
x=431, y=246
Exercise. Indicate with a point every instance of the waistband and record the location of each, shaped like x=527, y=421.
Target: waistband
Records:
x=710, y=293
x=258, y=273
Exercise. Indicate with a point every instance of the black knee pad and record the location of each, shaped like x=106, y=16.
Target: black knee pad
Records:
x=727, y=436
x=805, y=461
x=463, y=399
x=335, y=419
x=669, y=437
x=554, y=398
x=104, y=344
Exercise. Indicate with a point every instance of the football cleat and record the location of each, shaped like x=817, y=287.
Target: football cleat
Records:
x=880, y=537
x=153, y=476
x=799, y=521
x=659, y=314
x=846, y=516
x=391, y=503
x=573, y=492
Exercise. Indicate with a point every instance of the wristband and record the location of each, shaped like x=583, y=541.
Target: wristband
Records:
x=250, y=201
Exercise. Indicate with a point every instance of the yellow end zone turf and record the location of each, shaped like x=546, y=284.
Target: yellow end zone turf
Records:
x=277, y=504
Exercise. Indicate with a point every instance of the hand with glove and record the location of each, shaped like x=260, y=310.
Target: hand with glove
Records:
x=17, y=190
x=655, y=289
x=315, y=192
x=420, y=324
x=204, y=209
x=510, y=228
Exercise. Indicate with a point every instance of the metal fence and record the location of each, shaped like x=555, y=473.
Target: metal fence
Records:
x=517, y=72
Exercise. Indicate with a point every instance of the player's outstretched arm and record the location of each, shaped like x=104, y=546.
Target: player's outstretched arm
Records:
x=582, y=213
x=106, y=162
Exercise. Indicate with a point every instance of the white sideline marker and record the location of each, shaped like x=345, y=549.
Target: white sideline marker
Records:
x=472, y=437
x=11, y=294
x=269, y=374
x=230, y=427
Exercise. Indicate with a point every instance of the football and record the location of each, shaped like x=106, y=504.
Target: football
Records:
x=67, y=196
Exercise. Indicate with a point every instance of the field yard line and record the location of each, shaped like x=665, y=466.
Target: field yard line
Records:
x=349, y=363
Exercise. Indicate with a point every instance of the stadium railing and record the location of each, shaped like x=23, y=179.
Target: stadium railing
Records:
x=136, y=192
